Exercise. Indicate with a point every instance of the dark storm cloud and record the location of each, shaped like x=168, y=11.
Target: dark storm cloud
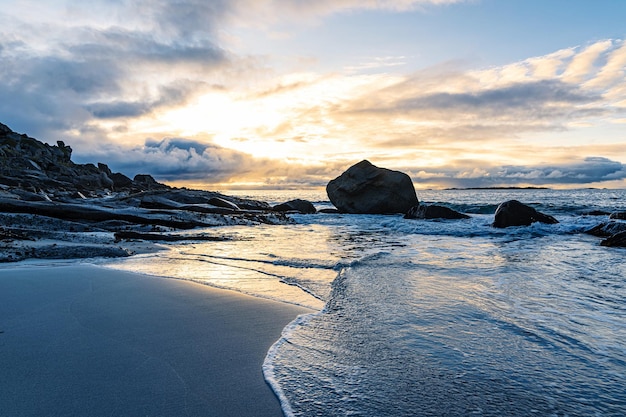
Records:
x=185, y=18
x=57, y=75
x=532, y=99
x=587, y=171
x=119, y=109
x=168, y=96
x=130, y=47
x=89, y=71
x=591, y=169
x=526, y=94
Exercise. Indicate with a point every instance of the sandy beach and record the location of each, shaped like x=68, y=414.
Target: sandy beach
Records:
x=80, y=340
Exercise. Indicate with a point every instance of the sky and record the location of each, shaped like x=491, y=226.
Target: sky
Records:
x=287, y=94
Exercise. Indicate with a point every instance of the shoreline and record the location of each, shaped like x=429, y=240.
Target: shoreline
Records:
x=81, y=339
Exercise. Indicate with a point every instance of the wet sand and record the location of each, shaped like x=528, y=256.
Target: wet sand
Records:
x=80, y=340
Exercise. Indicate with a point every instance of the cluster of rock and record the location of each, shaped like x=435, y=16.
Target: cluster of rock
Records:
x=45, y=195
x=613, y=231
x=36, y=170
x=367, y=189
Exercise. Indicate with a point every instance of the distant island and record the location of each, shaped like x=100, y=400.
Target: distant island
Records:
x=500, y=188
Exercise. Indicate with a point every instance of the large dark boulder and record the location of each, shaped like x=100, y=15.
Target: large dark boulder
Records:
x=367, y=189
x=301, y=206
x=434, y=211
x=514, y=213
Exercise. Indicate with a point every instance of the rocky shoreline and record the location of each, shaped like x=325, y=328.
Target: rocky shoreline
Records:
x=367, y=189
x=53, y=208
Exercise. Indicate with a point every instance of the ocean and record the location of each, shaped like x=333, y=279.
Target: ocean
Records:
x=432, y=318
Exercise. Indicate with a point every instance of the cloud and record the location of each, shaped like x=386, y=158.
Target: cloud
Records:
x=377, y=63
x=270, y=11
x=185, y=19
x=178, y=159
x=582, y=64
x=589, y=170
x=63, y=75
x=105, y=75
x=614, y=69
x=519, y=95
x=133, y=51
x=181, y=160
x=167, y=96
x=548, y=66
x=445, y=108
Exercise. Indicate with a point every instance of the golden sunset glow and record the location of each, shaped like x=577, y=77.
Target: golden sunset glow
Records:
x=236, y=94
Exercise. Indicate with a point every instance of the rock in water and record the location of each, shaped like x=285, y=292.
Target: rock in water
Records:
x=514, y=213
x=618, y=240
x=367, y=189
x=434, y=212
x=299, y=205
x=618, y=215
x=607, y=229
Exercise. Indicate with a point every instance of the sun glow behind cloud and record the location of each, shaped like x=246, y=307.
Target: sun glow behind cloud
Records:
x=291, y=118
x=144, y=81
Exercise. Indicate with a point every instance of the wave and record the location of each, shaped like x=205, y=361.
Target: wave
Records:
x=429, y=330
x=479, y=225
x=274, y=260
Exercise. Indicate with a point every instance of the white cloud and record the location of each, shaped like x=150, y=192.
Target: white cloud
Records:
x=125, y=70
x=270, y=11
x=549, y=66
x=582, y=64
x=614, y=69
x=590, y=170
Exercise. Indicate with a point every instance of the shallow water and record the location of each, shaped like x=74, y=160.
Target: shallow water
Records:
x=434, y=318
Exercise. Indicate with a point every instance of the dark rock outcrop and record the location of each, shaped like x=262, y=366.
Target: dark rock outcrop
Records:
x=90, y=213
x=120, y=181
x=434, y=211
x=151, y=201
x=44, y=195
x=596, y=213
x=617, y=240
x=514, y=213
x=614, y=233
x=29, y=164
x=166, y=237
x=607, y=229
x=618, y=215
x=367, y=189
x=221, y=202
x=298, y=205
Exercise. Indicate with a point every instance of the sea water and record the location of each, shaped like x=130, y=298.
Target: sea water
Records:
x=433, y=318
